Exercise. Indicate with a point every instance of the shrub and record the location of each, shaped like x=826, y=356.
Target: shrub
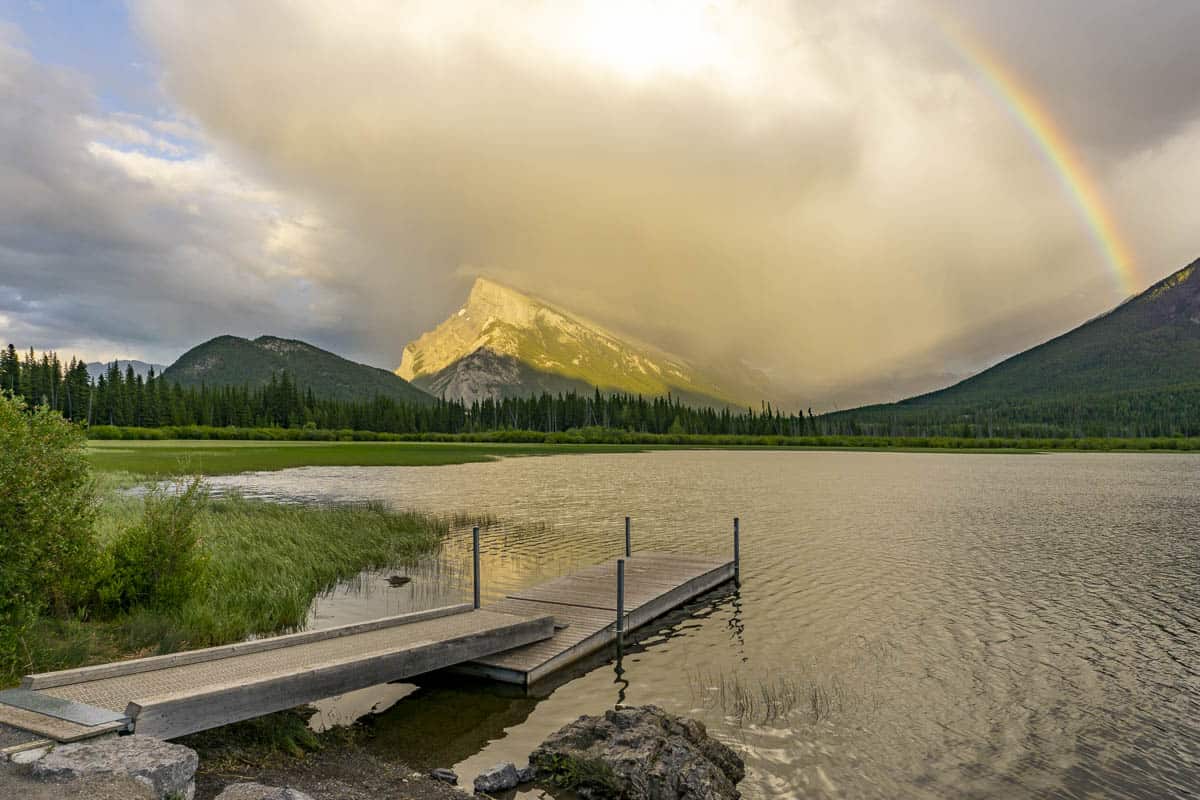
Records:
x=158, y=562
x=47, y=511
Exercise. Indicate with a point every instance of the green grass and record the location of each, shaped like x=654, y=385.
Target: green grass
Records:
x=226, y=457
x=266, y=564
x=155, y=458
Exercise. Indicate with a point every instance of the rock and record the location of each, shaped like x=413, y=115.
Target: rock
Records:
x=639, y=753
x=167, y=769
x=257, y=791
x=445, y=775
x=399, y=580
x=526, y=774
x=29, y=756
x=499, y=778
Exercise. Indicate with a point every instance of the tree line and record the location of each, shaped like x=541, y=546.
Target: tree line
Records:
x=125, y=398
x=1136, y=413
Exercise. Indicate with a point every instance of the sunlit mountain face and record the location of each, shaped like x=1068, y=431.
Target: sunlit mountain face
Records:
x=505, y=343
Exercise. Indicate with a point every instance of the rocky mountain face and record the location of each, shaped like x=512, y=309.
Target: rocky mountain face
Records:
x=234, y=361
x=503, y=343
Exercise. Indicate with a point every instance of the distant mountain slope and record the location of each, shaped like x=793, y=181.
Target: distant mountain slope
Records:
x=234, y=361
x=505, y=343
x=1144, y=354
x=97, y=368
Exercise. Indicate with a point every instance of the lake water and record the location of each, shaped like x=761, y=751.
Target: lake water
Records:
x=909, y=625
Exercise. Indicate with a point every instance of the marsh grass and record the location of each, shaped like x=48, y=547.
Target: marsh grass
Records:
x=265, y=564
x=764, y=699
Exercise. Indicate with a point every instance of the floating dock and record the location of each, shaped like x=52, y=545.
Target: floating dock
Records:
x=173, y=695
x=522, y=639
x=584, y=607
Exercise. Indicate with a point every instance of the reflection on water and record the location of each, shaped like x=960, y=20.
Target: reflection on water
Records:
x=909, y=625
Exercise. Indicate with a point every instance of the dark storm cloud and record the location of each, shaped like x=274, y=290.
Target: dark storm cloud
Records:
x=1120, y=75
x=104, y=249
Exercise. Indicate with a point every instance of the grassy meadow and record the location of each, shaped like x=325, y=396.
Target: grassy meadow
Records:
x=156, y=458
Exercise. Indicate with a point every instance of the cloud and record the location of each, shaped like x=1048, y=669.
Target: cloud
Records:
x=827, y=192
x=115, y=241
x=1117, y=74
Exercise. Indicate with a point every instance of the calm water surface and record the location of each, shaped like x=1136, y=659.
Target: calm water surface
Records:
x=909, y=625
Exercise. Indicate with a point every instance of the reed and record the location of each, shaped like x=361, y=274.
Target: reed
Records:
x=764, y=699
x=266, y=563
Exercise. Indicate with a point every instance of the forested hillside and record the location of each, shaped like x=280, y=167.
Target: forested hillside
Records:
x=126, y=399
x=234, y=361
x=1133, y=372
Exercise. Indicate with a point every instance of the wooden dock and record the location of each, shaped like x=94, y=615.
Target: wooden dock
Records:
x=522, y=639
x=173, y=695
x=584, y=607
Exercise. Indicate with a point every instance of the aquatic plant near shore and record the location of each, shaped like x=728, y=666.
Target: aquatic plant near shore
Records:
x=264, y=565
x=762, y=699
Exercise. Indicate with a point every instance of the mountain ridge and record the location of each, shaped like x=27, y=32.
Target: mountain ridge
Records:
x=504, y=342
x=235, y=361
x=1144, y=352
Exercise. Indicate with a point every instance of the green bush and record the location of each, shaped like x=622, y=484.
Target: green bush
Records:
x=158, y=562
x=47, y=510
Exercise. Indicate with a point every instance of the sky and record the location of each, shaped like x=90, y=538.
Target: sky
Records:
x=862, y=199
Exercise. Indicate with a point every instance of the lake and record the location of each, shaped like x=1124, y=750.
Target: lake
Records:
x=909, y=624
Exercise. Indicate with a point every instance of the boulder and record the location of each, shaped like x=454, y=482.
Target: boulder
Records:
x=166, y=769
x=499, y=778
x=526, y=774
x=444, y=775
x=257, y=791
x=639, y=753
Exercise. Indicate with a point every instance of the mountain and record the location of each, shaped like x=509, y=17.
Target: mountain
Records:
x=505, y=343
x=1138, y=362
x=234, y=361
x=97, y=368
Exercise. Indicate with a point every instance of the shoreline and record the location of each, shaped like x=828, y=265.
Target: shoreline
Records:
x=158, y=457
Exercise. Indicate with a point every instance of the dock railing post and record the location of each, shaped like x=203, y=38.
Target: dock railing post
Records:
x=737, y=555
x=620, y=602
x=628, y=541
x=475, y=548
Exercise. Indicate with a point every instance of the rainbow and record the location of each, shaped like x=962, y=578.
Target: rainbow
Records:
x=1032, y=115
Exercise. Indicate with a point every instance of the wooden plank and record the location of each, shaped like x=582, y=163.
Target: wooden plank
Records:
x=53, y=728
x=643, y=615
x=47, y=680
x=646, y=579
x=7, y=753
x=588, y=596
x=116, y=692
x=173, y=715
x=521, y=639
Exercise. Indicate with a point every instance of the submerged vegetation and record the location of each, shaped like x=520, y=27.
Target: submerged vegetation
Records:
x=91, y=573
x=764, y=699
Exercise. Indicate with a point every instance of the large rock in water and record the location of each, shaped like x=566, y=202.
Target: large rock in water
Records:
x=639, y=753
x=166, y=769
x=499, y=778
